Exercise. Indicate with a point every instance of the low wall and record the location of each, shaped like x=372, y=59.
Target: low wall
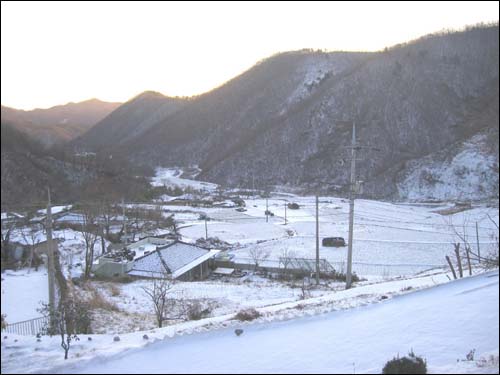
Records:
x=110, y=268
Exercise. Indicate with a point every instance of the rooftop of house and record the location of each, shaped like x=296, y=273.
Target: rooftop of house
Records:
x=173, y=259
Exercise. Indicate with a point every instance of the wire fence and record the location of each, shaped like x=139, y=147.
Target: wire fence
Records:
x=30, y=327
x=360, y=268
x=385, y=270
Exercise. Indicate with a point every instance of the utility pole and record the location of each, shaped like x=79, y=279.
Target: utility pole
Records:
x=124, y=220
x=267, y=211
x=206, y=229
x=354, y=188
x=351, y=208
x=477, y=240
x=253, y=183
x=317, y=240
x=50, y=266
x=285, y=213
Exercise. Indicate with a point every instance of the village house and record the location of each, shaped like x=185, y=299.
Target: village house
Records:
x=155, y=258
x=178, y=260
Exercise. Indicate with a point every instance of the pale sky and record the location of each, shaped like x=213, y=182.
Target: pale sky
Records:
x=54, y=52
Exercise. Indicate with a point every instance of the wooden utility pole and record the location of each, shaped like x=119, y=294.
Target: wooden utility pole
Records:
x=354, y=188
x=285, y=213
x=477, y=241
x=253, y=183
x=317, y=240
x=124, y=220
x=267, y=211
x=351, y=208
x=206, y=229
x=50, y=265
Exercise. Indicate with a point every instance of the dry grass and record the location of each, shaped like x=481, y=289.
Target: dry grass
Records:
x=248, y=315
x=452, y=210
x=96, y=300
x=110, y=322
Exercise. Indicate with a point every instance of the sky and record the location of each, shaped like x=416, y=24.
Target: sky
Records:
x=55, y=52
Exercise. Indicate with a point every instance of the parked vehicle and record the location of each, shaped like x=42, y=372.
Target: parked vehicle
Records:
x=333, y=241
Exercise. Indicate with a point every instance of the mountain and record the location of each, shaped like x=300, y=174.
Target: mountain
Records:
x=60, y=123
x=129, y=121
x=427, y=112
x=28, y=168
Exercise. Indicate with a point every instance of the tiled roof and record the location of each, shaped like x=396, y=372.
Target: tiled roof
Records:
x=180, y=254
x=169, y=259
x=149, y=265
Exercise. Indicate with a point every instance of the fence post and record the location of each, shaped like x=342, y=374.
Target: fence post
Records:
x=451, y=266
x=467, y=251
x=457, y=253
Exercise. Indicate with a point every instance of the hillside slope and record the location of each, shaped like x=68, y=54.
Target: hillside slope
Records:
x=284, y=120
x=60, y=123
x=129, y=121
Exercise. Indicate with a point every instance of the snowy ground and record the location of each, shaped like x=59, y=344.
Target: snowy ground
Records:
x=22, y=292
x=393, y=243
x=389, y=239
x=442, y=324
x=222, y=297
x=171, y=177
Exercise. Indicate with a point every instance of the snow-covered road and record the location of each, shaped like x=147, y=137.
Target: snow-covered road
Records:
x=441, y=324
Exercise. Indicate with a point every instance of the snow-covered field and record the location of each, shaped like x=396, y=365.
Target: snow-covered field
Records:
x=389, y=239
x=171, y=177
x=22, y=292
x=397, y=249
x=442, y=324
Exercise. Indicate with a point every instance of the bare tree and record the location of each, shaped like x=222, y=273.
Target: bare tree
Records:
x=286, y=259
x=157, y=217
x=137, y=215
x=90, y=232
x=305, y=289
x=258, y=255
x=492, y=259
x=460, y=231
x=32, y=238
x=7, y=229
x=461, y=235
x=166, y=306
